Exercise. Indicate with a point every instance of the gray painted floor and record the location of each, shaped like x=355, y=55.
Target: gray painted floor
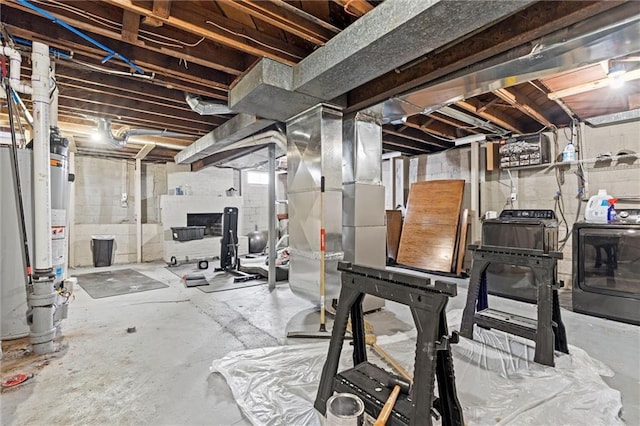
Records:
x=160, y=373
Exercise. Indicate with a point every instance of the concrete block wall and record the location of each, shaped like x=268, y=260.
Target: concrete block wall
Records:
x=256, y=199
x=125, y=242
x=256, y=207
x=154, y=184
x=98, y=189
x=450, y=164
x=208, y=195
x=537, y=187
x=208, y=181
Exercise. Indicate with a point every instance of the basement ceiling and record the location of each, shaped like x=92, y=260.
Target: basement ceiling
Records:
x=204, y=47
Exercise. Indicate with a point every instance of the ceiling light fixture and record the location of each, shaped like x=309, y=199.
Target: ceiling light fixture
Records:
x=616, y=74
x=593, y=85
x=616, y=69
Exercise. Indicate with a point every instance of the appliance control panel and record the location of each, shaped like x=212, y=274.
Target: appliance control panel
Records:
x=527, y=214
x=628, y=215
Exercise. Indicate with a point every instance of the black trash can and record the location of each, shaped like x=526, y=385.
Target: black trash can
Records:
x=102, y=247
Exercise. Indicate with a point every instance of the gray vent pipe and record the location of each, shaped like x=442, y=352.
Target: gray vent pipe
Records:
x=120, y=139
x=206, y=107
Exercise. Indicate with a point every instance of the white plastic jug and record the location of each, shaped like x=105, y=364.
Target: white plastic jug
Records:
x=597, y=207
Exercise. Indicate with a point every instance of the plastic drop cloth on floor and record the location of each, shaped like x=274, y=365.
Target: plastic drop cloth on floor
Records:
x=496, y=378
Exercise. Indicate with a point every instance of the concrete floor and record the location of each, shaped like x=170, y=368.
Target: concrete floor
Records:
x=160, y=373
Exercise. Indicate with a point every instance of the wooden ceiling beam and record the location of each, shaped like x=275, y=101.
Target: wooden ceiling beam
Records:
x=128, y=106
x=162, y=9
x=158, y=86
x=398, y=140
x=134, y=119
x=416, y=136
x=517, y=31
x=430, y=125
x=501, y=120
x=355, y=7
x=523, y=104
x=224, y=31
x=282, y=19
x=183, y=82
x=130, y=26
x=226, y=60
x=150, y=61
x=318, y=8
x=77, y=78
x=453, y=122
x=390, y=147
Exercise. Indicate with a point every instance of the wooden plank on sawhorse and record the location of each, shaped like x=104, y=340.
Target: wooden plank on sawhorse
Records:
x=543, y=265
x=433, y=360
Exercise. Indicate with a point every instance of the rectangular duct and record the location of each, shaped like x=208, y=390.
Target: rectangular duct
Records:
x=362, y=151
x=363, y=219
x=222, y=138
x=393, y=34
x=266, y=91
x=314, y=150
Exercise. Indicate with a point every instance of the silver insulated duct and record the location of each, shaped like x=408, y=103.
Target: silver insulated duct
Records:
x=363, y=220
x=314, y=150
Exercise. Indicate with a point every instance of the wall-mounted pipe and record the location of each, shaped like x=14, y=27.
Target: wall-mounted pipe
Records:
x=42, y=296
x=206, y=107
x=14, y=71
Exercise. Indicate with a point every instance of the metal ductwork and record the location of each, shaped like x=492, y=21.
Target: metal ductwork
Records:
x=559, y=52
x=314, y=154
x=237, y=129
x=202, y=107
x=121, y=137
x=393, y=34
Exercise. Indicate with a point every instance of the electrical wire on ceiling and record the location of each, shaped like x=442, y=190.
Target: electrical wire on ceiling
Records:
x=111, y=53
x=114, y=72
x=253, y=39
x=114, y=25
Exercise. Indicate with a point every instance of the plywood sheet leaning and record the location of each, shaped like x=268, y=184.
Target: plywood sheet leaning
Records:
x=394, y=229
x=430, y=229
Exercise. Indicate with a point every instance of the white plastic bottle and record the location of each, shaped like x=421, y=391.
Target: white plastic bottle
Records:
x=569, y=152
x=598, y=207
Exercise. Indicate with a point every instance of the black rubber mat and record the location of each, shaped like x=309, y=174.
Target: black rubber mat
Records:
x=223, y=281
x=116, y=283
x=217, y=281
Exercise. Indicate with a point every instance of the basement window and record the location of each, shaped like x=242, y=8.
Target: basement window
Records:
x=257, y=178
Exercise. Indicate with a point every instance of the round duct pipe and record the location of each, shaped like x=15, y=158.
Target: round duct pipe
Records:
x=122, y=136
x=203, y=107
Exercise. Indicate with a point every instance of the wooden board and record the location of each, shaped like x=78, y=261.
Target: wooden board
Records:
x=430, y=229
x=394, y=229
